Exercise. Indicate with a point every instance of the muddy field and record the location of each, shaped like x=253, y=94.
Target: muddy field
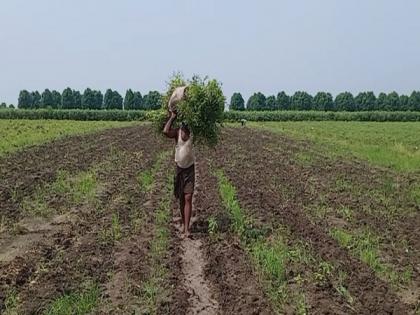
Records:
x=93, y=218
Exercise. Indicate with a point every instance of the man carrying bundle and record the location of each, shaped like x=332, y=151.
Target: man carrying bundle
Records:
x=184, y=159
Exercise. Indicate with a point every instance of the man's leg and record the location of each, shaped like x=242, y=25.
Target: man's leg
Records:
x=187, y=212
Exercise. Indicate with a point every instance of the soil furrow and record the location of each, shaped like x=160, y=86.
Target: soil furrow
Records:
x=251, y=175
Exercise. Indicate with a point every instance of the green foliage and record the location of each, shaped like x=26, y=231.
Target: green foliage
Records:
x=365, y=101
x=24, y=100
x=129, y=100
x=236, y=116
x=283, y=101
x=323, y=101
x=112, y=100
x=35, y=99
x=47, y=99
x=76, y=114
x=256, y=102
x=271, y=103
x=381, y=101
x=237, y=102
x=202, y=109
x=345, y=102
x=152, y=100
x=414, y=102
x=301, y=101
x=67, y=99
x=56, y=96
x=3, y=105
x=392, y=101
x=76, y=303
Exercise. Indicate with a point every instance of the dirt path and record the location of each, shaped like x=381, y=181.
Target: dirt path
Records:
x=193, y=264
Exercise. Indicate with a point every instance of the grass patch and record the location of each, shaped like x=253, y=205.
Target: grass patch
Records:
x=76, y=303
x=11, y=303
x=145, y=180
x=390, y=144
x=77, y=190
x=17, y=134
x=268, y=250
x=366, y=246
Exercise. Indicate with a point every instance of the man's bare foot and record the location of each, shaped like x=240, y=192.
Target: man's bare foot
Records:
x=187, y=234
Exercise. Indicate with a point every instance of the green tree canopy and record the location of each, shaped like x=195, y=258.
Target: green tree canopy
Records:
x=47, y=99
x=36, y=100
x=3, y=105
x=381, y=101
x=67, y=98
x=256, y=102
x=56, y=96
x=237, y=102
x=301, y=101
x=270, y=103
x=414, y=102
x=365, y=101
x=129, y=100
x=88, y=99
x=138, y=100
x=152, y=100
x=112, y=100
x=345, y=102
x=392, y=101
x=323, y=101
x=283, y=101
x=24, y=100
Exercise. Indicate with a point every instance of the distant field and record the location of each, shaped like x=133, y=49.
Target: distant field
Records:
x=15, y=134
x=390, y=144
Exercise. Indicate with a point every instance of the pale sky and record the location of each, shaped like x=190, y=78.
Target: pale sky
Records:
x=267, y=45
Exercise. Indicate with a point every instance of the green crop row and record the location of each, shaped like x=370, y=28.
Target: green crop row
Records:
x=230, y=116
x=73, y=114
x=233, y=116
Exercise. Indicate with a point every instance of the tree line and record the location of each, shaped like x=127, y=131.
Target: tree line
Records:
x=90, y=99
x=324, y=101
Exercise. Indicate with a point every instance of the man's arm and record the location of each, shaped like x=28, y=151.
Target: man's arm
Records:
x=168, y=130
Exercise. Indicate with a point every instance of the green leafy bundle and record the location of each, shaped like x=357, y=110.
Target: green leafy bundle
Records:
x=201, y=109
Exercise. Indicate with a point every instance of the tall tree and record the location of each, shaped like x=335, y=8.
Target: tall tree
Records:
x=323, y=101
x=11, y=106
x=283, y=101
x=365, y=101
x=404, y=102
x=88, y=99
x=129, y=100
x=270, y=103
x=414, y=102
x=77, y=99
x=36, y=99
x=3, y=105
x=152, y=100
x=56, y=96
x=237, y=102
x=24, y=100
x=138, y=100
x=381, y=101
x=345, y=102
x=392, y=101
x=301, y=101
x=113, y=100
x=47, y=99
x=67, y=98
x=108, y=99
x=99, y=100
x=256, y=102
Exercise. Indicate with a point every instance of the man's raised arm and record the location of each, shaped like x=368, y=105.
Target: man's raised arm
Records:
x=168, y=130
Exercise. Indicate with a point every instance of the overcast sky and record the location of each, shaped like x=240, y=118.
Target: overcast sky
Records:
x=267, y=45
